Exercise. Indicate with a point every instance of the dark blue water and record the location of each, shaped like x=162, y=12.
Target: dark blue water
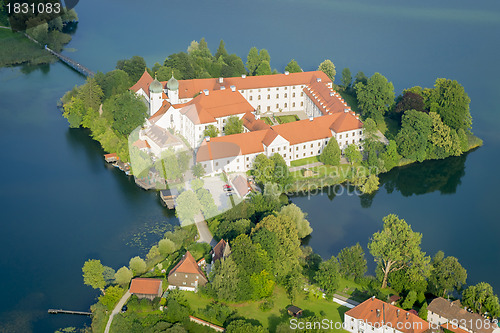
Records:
x=60, y=205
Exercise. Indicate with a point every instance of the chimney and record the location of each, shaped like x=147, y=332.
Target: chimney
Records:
x=233, y=88
x=207, y=139
x=221, y=79
x=318, y=79
x=346, y=110
x=311, y=118
x=206, y=92
x=287, y=72
x=407, y=315
x=332, y=94
x=222, y=88
x=373, y=297
x=243, y=76
x=397, y=313
x=378, y=313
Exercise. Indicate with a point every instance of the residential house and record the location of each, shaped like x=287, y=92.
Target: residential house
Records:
x=186, y=275
x=146, y=288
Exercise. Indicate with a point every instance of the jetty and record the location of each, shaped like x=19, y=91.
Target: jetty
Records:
x=168, y=197
x=60, y=311
x=71, y=63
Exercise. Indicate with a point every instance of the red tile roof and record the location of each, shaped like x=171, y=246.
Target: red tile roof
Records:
x=189, y=88
x=187, y=265
x=218, y=250
x=141, y=144
x=375, y=313
x=145, y=286
x=453, y=328
x=322, y=97
x=253, y=124
x=143, y=83
x=161, y=111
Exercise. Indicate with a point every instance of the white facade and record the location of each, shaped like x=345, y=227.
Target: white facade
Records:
x=354, y=325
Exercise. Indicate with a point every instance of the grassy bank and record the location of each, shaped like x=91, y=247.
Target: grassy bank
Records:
x=18, y=50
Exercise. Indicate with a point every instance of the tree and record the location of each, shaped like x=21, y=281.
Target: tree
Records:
x=93, y=274
x=281, y=172
x=127, y=111
x=234, y=125
x=352, y=262
x=111, y=297
x=293, y=67
x=412, y=138
x=395, y=247
x=447, y=275
x=91, y=94
x=328, y=275
x=346, y=78
x=198, y=170
x=264, y=68
x=390, y=156
x=187, y=207
x=253, y=60
x=74, y=111
x=360, y=78
x=370, y=184
x=115, y=82
x=225, y=281
x=294, y=285
x=123, y=276
x=134, y=67
x=443, y=141
x=166, y=246
x=331, y=154
x=410, y=101
x=39, y=32
x=211, y=131
x=328, y=68
x=221, y=51
x=409, y=300
x=242, y=326
x=422, y=313
x=480, y=298
x=375, y=97
x=108, y=274
x=299, y=218
x=263, y=169
x=261, y=284
x=353, y=154
x=137, y=265
x=183, y=64
x=451, y=102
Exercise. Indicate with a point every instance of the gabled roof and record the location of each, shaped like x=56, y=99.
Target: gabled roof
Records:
x=375, y=312
x=143, y=83
x=220, y=250
x=161, y=111
x=189, y=88
x=241, y=185
x=141, y=144
x=453, y=311
x=187, y=265
x=325, y=98
x=145, y=286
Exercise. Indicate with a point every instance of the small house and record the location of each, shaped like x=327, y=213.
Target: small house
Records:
x=111, y=158
x=393, y=300
x=241, y=185
x=146, y=288
x=220, y=251
x=294, y=311
x=186, y=275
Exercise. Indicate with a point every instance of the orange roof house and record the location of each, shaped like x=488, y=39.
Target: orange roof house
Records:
x=374, y=313
x=146, y=288
x=186, y=275
x=220, y=251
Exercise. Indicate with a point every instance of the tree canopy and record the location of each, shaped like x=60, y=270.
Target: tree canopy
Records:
x=293, y=67
x=480, y=298
x=447, y=274
x=328, y=68
x=451, y=102
x=299, y=218
x=234, y=125
x=352, y=262
x=375, y=97
x=127, y=111
x=93, y=274
x=328, y=275
x=134, y=67
x=331, y=153
x=346, y=78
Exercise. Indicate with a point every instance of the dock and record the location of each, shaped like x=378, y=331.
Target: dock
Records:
x=60, y=311
x=168, y=197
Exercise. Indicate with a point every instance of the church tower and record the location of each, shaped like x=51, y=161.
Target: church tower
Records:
x=173, y=90
x=155, y=94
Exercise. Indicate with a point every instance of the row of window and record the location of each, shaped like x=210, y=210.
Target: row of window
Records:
x=352, y=134
x=277, y=88
x=278, y=106
x=277, y=96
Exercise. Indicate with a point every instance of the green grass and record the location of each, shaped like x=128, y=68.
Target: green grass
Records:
x=270, y=319
x=286, y=119
x=17, y=49
x=350, y=99
x=391, y=128
x=304, y=161
x=267, y=121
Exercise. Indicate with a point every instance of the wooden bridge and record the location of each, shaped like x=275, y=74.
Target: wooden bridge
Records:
x=57, y=311
x=71, y=63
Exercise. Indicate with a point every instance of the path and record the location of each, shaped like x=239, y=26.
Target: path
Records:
x=2, y=27
x=205, y=234
x=344, y=301
x=117, y=309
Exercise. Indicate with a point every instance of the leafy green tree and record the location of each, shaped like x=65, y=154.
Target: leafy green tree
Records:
x=134, y=67
x=328, y=275
x=346, y=78
x=153, y=255
x=294, y=284
x=111, y=297
x=375, y=97
x=410, y=101
x=281, y=172
x=360, y=78
x=40, y=33
x=183, y=64
x=293, y=67
x=422, y=313
x=198, y=170
x=328, y=68
x=264, y=68
x=447, y=274
x=261, y=284
x=331, y=154
x=127, y=110
x=234, y=125
x=207, y=203
x=412, y=138
x=108, y=274
x=171, y=166
x=225, y=281
x=299, y=218
x=443, y=141
x=166, y=246
x=353, y=154
x=211, y=131
x=115, y=82
x=137, y=265
x=250, y=257
x=395, y=247
x=91, y=94
x=352, y=262
x=253, y=60
x=451, y=102
x=409, y=300
x=243, y=326
x=221, y=51
x=187, y=207
x=263, y=169
x=93, y=274
x=480, y=298
x=123, y=276
x=74, y=111
x=232, y=66
x=390, y=156
x=229, y=230
x=370, y=184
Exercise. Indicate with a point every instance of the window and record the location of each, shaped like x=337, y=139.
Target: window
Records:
x=284, y=155
x=301, y=94
x=319, y=144
x=277, y=88
x=259, y=90
x=216, y=163
x=278, y=148
x=277, y=106
x=286, y=105
x=277, y=95
x=352, y=141
x=304, y=146
x=360, y=132
x=296, y=156
x=293, y=104
x=237, y=160
x=290, y=149
x=251, y=97
x=340, y=136
x=184, y=283
x=293, y=95
x=268, y=96
x=258, y=97
x=301, y=103
x=311, y=152
x=250, y=90
x=286, y=95
x=272, y=150
x=248, y=158
x=304, y=154
x=268, y=108
x=186, y=276
x=227, y=162
x=286, y=88
x=319, y=151
x=268, y=89
x=353, y=134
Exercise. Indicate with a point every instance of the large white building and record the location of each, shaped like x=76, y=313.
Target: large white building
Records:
x=188, y=107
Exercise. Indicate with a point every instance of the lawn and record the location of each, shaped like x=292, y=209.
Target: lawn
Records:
x=391, y=128
x=267, y=121
x=350, y=99
x=304, y=161
x=270, y=319
x=286, y=119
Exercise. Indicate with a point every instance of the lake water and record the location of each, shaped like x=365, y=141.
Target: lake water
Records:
x=61, y=205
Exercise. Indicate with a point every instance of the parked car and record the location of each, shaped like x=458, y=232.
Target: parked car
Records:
x=227, y=187
x=124, y=308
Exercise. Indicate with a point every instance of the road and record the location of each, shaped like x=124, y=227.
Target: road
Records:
x=117, y=309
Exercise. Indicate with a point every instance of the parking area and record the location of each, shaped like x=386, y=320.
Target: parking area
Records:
x=216, y=187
